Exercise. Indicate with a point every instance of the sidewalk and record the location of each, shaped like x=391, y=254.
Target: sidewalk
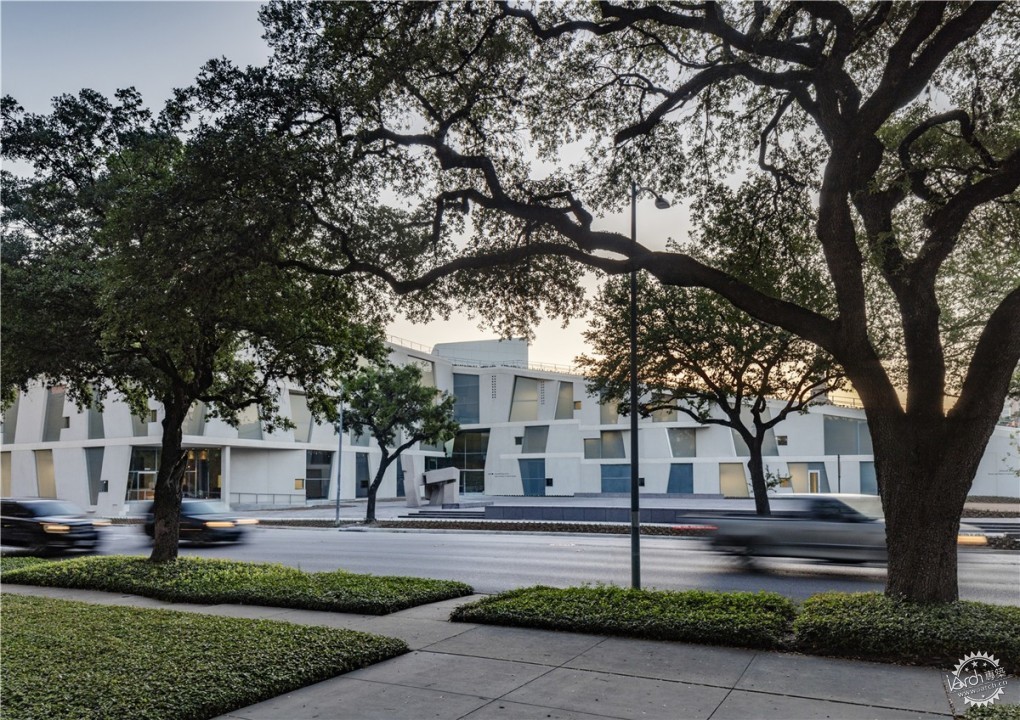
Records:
x=481, y=672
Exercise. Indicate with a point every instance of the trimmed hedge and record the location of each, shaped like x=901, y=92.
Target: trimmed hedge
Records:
x=15, y=562
x=757, y=620
x=993, y=712
x=865, y=626
x=65, y=659
x=211, y=581
x=875, y=627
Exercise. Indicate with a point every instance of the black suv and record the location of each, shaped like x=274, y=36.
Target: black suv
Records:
x=44, y=525
x=204, y=521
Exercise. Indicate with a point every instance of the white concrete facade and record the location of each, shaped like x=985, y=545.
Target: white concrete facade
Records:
x=568, y=443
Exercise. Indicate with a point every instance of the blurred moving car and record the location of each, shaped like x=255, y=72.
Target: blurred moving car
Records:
x=43, y=525
x=835, y=527
x=205, y=521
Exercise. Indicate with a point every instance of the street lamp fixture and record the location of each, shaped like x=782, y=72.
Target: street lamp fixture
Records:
x=635, y=503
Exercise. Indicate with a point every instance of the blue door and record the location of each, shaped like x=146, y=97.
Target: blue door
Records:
x=616, y=478
x=681, y=479
x=533, y=477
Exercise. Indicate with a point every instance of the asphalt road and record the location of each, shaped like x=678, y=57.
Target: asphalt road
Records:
x=497, y=561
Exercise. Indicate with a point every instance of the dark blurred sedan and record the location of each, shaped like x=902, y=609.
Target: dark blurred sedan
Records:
x=204, y=521
x=43, y=525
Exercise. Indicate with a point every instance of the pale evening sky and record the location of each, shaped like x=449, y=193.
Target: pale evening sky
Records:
x=51, y=48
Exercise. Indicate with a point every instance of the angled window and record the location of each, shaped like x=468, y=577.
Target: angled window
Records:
x=847, y=436
x=683, y=442
x=681, y=479
x=301, y=416
x=615, y=478
x=11, y=421
x=54, y=422
x=524, y=405
x=466, y=403
x=248, y=425
x=535, y=439
x=609, y=413
x=194, y=421
x=612, y=444
x=94, y=470
x=565, y=401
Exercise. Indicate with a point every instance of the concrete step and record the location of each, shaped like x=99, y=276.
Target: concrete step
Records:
x=446, y=515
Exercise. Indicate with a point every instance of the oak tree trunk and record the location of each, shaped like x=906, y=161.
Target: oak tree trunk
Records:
x=759, y=488
x=384, y=462
x=924, y=470
x=166, y=506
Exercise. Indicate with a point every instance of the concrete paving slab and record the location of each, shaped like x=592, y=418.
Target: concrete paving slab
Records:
x=350, y=699
x=453, y=673
x=438, y=610
x=417, y=634
x=892, y=686
x=741, y=705
x=522, y=644
x=502, y=710
x=619, y=696
x=702, y=664
x=352, y=621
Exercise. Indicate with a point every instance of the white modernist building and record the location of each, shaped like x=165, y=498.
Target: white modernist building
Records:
x=526, y=430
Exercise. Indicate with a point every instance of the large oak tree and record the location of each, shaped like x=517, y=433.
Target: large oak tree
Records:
x=504, y=130
x=141, y=257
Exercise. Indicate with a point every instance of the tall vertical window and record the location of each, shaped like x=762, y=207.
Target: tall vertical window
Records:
x=5, y=474
x=54, y=414
x=465, y=406
x=95, y=421
x=302, y=417
x=318, y=465
x=94, y=470
x=142, y=474
x=612, y=444
x=428, y=371
x=565, y=401
x=361, y=477
x=11, y=422
x=44, y=475
x=609, y=413
x=470, y=448
x=524, y=405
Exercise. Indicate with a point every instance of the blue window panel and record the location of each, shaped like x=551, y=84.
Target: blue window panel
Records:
x=616, y=478
x=869, y=480
x=681, y=479
x=533, y=477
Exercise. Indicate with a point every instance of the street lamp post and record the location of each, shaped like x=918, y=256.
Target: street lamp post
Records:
x=635, y=503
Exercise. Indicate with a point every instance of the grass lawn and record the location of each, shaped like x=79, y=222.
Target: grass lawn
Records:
x=205, y=580
x=65, y=659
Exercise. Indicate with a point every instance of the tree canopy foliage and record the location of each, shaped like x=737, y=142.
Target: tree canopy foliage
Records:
x=141, y=258
x=390, y=403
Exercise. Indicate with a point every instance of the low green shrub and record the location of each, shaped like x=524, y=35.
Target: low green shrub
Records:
x=66, y=659
x=875, y=627
x=205, y=580
x=759, y=620
x=14, y=562
x=993, y=712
